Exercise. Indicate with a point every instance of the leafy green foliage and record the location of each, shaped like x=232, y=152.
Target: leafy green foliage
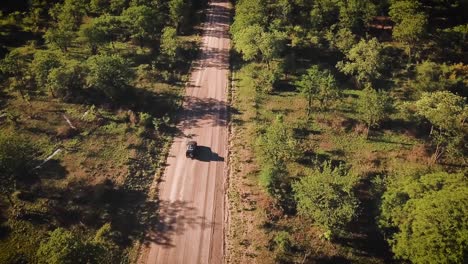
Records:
x=246, y=41
x=262, y=78
x=144, y=22
x=63, y=246
x=373, y=106
x=111, y=74
x=401, y=9
x=178, y=12
x=282, y=242
x=343, y=39
x=411, y=30
x=249, y=13
x=447, y=113
x=426, y=217
x=96, y=33
x=60, y=38
x=170, y=44
x=326, y=197
x=430, y=77
x=15, y=66
x=363, y=61
x=277, y=145
x=66, y=80
x=272, y=177
x=17, y=159
x=318, y=85
x=43, y=63
x=356, y=14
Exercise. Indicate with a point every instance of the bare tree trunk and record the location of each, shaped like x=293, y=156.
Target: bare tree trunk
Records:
x=69, y=122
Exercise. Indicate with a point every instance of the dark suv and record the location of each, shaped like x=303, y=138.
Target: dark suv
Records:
x=191, y=149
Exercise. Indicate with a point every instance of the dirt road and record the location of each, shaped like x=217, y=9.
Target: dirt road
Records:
x=191, y=216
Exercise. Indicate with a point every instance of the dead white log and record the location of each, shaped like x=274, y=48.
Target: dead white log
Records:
x=69, y=122
x=85, y=114
x=48, y=158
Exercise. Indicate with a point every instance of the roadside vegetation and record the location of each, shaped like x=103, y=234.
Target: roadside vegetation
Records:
x=88, y=95
x=349, y=140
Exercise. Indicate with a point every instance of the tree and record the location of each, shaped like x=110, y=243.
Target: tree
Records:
x=66, y=80
x=261, y=78
x=70, y=14
x=117, y=6
x=363, y=61
x=60, y=38
x=17, y=158
x=356, y=14
x=271, y=44
x=44, y=61
x=401, y=9
x=373, y=107
x=93, y=35
x=144, y=22
x=104, y=29
x=249, y=13
x=343, y=39
x=326, y=197
x=255, y=43
x=410, y=31
x=447, y=113
x=318, y=85
x=15, y=66
x=110, y=74
x=99, y=6
x=179, y=10
x=246, y=41
x=425, y=217
x=169, y=43
x=277, y=145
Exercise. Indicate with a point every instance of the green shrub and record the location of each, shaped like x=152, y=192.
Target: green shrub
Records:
x=326, y=196
x=425, y=217
x=146, y=119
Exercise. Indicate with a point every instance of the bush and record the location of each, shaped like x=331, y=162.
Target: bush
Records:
x=271, y=177
x=145, y=119
x=326, y=196
x=111, y=74
x=17, y=158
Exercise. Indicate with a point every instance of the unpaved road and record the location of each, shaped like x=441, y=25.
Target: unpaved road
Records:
x=191, y=216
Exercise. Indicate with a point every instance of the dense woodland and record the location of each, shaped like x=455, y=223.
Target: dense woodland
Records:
x=88, y=92
x=349, y=132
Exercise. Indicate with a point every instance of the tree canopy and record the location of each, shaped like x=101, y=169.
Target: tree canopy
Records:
x=426, y=217
x=318, y=85
x=363, y=61
x=111, y=74
x=326, y=196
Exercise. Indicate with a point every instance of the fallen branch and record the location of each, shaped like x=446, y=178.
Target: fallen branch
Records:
x=69, y=122
x=48, y=158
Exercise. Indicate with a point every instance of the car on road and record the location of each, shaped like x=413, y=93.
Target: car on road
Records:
x=191, y=149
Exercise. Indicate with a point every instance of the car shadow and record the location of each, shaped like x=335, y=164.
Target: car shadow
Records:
x=205, y=154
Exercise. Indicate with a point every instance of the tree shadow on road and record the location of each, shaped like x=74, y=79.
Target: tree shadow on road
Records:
x=174, y=218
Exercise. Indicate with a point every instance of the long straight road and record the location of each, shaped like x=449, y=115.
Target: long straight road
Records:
x=191, y=194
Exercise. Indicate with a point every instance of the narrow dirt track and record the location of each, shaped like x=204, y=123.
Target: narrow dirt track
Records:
x=191, y=216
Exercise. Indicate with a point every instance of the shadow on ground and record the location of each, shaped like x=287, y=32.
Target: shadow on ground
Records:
x=205, y=154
